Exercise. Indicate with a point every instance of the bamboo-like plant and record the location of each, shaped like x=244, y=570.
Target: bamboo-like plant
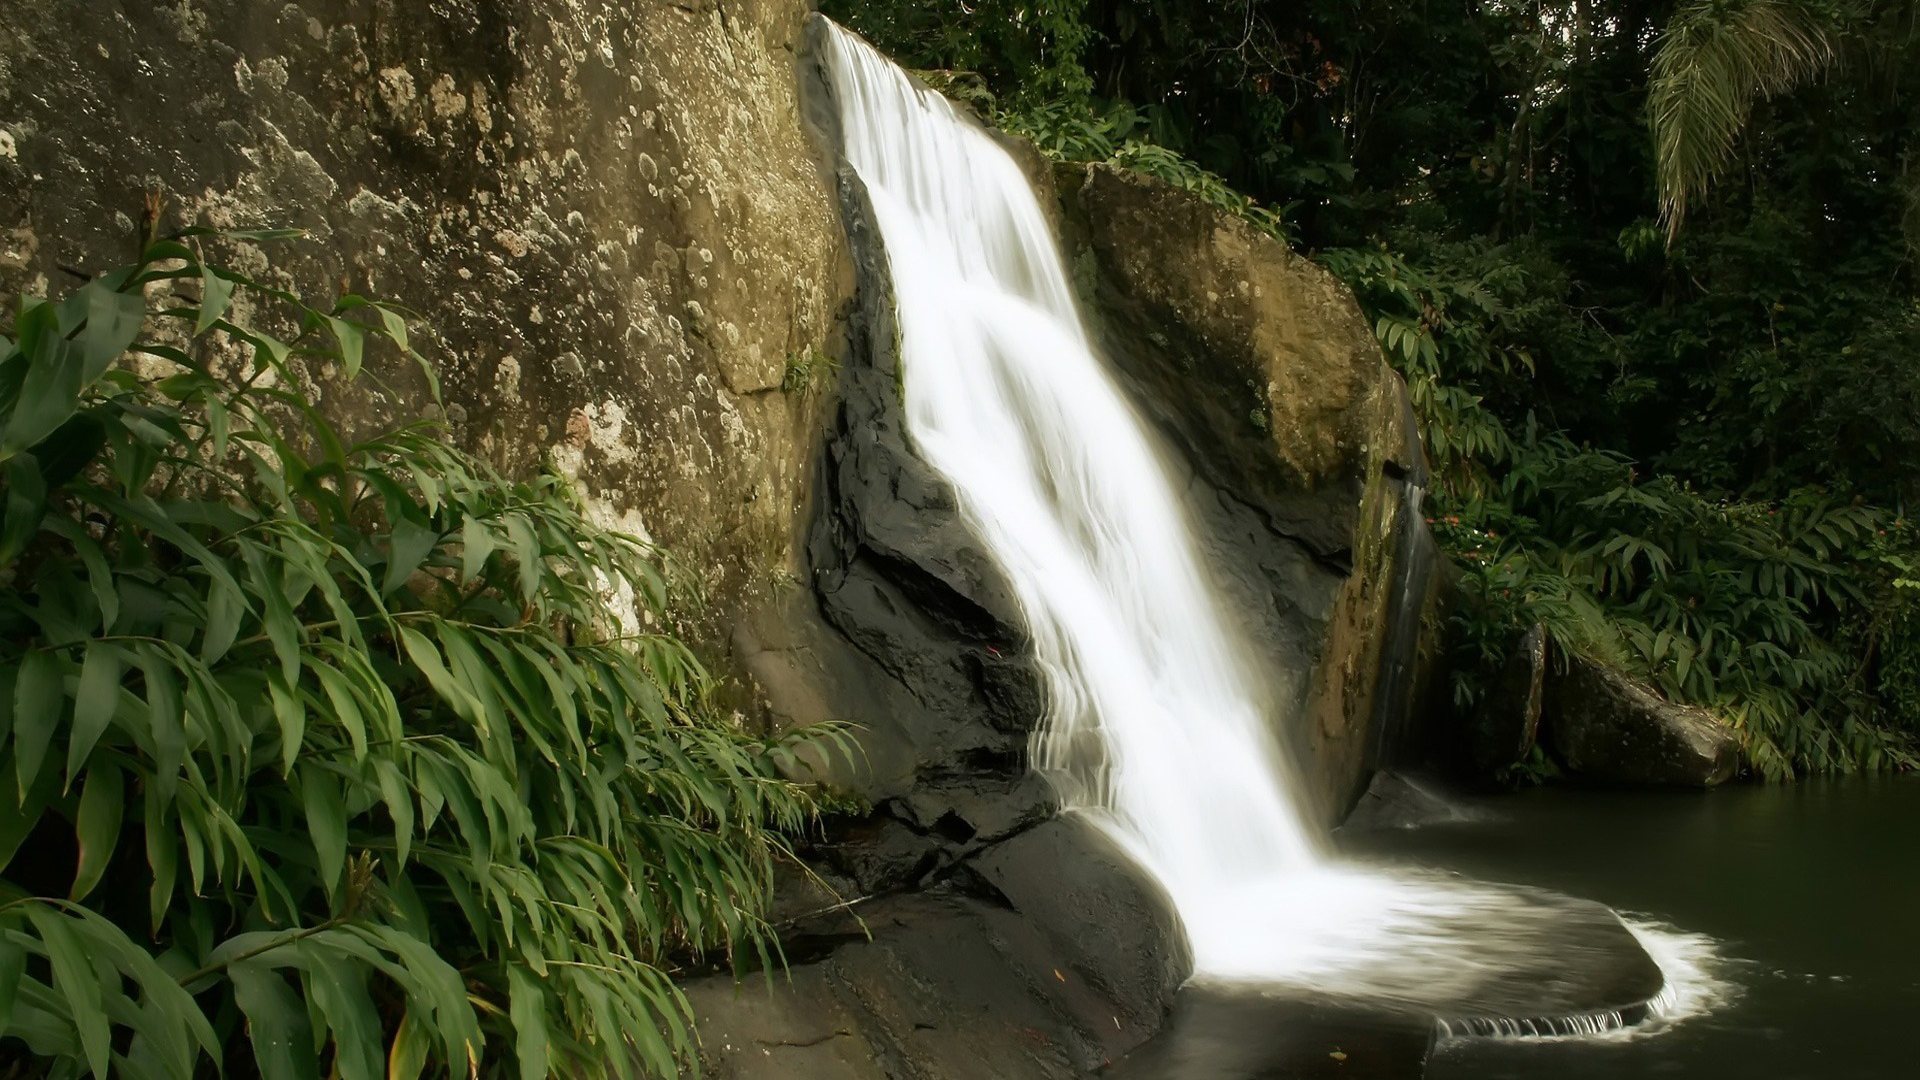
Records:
x=338, y=758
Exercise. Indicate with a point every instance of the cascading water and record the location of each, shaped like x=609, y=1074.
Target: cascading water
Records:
x=1156, y=728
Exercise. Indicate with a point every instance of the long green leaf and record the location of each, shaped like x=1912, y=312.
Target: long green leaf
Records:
x=326, y=821
x=39, y=705
x=97, y=825
x=95, y=703
x=277, y=1024
x=77, y=982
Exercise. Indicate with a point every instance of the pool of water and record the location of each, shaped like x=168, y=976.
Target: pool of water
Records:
x=1812, y=891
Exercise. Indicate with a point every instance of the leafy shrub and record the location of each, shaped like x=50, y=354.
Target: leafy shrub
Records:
x=353, y=748
x=1733, y=604
x=1073, y=130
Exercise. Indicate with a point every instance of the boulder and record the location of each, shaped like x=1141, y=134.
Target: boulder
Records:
x=1397, y=801
x=1042, y=958
x=1606, y=726
x=610, y=218
x=1503, y=731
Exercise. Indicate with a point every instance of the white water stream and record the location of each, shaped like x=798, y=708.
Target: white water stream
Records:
x=1158, y=728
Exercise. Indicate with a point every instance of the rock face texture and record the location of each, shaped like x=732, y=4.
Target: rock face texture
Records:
x=1504, y=731
x=608, y=212
x=1606, y=726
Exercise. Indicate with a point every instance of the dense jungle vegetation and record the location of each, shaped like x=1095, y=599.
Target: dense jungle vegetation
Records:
x=1647, y=267
x=336, y=757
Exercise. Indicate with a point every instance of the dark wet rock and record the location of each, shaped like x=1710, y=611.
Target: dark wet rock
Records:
x=1606, y=726
x=948, y=987
x=1503, y=731
x=927, y=648
x=1085, y=896
x=1396, y=801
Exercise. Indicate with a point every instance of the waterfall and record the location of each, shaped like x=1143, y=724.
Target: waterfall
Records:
x=1156, y=728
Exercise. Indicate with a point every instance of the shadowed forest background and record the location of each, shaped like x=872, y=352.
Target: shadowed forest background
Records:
x=1679, y=441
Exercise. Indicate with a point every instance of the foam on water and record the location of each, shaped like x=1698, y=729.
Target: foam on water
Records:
x=1157, y=728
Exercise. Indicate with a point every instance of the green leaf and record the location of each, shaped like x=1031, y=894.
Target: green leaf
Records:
x=225, y=607
x=113, y=321
x=163, y=857
x=99, y=574
x=326, y=823
x=526, y=549
x=70, y=449
x=39, y=704
x=216, y=294
x=291, y=715
x=166, y=712
x=426, y=657
x=75, y=979
x=26, y=506
x=395, y=324
x=476, y=541
x=13, y=964
x=352, y=338
x=409, y=546
x=345, y=705
x=337, y=984
x=97, y=825
x=276, y=1022
x=20, y=812
x=398, y=795
x=95, y=702
x=411, y=1044
x=169, y=1022
x=528, y=1009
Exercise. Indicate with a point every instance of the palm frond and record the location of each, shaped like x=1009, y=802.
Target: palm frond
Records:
x=1714, y=60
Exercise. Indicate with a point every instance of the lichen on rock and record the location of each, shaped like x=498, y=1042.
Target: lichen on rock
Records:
x=488, y=166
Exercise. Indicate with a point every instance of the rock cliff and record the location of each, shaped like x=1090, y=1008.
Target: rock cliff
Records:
x=608, y=213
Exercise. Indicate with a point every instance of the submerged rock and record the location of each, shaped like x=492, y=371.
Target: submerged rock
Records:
x=1395, y=801
x=1606, y=726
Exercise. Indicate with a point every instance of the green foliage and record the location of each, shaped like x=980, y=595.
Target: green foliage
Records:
x=1732, y=604
x=1715, y=58
x=321, y=758
x=1037, y=45
x=1073, y=131
x=805, y=370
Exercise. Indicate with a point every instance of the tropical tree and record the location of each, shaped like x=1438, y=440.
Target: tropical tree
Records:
x=1716, y=58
